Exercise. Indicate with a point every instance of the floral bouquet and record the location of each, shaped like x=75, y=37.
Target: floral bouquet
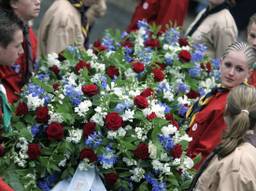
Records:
x=118, y=107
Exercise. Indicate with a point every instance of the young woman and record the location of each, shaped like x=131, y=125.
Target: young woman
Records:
x=215, y=27
x=232, y=165
x=206, y=116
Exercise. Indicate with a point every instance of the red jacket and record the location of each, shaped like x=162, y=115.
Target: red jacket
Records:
x=207, y=130
x=252, y=79
x=160, y=12
x=11, y=79
x=4, y=186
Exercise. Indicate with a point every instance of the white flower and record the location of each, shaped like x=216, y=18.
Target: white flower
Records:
x=183, y=100
x=83, y=107
x=129, y=162
x=138, y=174
x=168, y=95
x=71, y=79
x=75, y=135
x=55, y=117
x=52, y=59
x=121, y=132
x=188, y=163
x=176, y=162
x=112, y=134
x=162, y=167
x=168, y=130
x=34, y=102
x=208, y=84
x=62, y=163
x=152, y=149
x=140, y=133
x=118, y=91
x=98, y=118
x=128, y=115
x=185, y=137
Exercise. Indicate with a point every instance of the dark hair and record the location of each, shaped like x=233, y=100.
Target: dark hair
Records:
x=6, y=5
x=9, y=24
x=241, y=117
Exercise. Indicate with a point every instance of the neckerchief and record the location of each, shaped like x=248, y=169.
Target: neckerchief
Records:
x=7, y=112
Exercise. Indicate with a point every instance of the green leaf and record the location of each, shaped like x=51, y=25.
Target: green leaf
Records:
x=197, y=159
x=45, y=86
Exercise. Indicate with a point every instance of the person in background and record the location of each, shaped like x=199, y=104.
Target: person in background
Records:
x=215, y=27
x=11, y=39
x=232, y=165
x=206, y=116
x=251, y=39
x=160, y=12
x=14, y=77
x=68, y=22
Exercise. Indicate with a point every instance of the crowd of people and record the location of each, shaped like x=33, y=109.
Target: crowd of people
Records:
x=221, y=123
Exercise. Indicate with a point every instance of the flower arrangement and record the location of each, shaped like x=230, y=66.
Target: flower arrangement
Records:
x=118, y=106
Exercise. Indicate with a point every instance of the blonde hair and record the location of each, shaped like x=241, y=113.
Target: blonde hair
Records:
x=248, y=51
x=241, y=117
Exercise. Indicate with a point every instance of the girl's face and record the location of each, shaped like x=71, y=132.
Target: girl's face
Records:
x=234, y=69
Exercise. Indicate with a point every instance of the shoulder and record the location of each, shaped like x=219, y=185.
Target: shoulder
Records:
x=225, y=20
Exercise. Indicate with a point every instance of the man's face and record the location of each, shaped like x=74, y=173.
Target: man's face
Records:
x=251, y=35
x=10, y=54
x=26, y=9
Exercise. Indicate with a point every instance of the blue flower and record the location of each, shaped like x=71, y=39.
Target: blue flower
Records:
x=200, y=48
x=103, y=82
x=124, y=34
x=172, y=36
x=108, y=43
x=197, y=56
x=194, y=72
x=120, y=108
x=183, y=110
x=167, y=108
x=168, y=60
x=167, y=142
x=216, y=63
x=35, y=90
x=94, y=140
x=142, y=24
x=74, y=95
x=43, y=77
x=156, y=186
x=16, y=67
x=35, y=129
x=162, y=87
x=42, y=184
x=182, y=88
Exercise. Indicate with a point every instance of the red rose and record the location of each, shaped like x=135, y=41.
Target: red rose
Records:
x=111, y=178
x=56, y=86
x=170, y=118
x=192, y=94
x=82, y=65
x=147, y=92
x=158, y=74
x=98, y=47
x=55, y=69
x=153, y=43
x=161, y=65
x=138, y=67
x=113, y=121
x=141, y=102
x=34, y=151
x=183, y=42
x=112, y=71
x=90, y=90
x=141, y=152
x=207, y=66
x=176, y=152
x=88, y=128
x=55, y=131
x=89, y=154
x=184, y=56
x=1, y=150
x=151, y=116
x=22, y=109
x=127, y=43
x=42, y=114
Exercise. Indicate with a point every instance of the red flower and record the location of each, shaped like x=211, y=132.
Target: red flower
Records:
x=183, y=42
x=151, y=116
x=56, y=86
x=138, y=67
x=22, y=109
x=1, y=150
x=141, y=152
x=207, y=67
x=192, y=94
x=89, y=154
x=161, y=65
x=82, y=65
x=55, y=69
x=42, y=114
x=170, y=118
x=153, y=43
x=88, y=128
x=113, y=121
x=90, y=90
x=111, y=178
x=176, y=152
x=127, y=43
x=158, y=74
x=147, y=92
x=112, y=71
x=98, y=47
x=184, y=56
x=55, y=131
x=34, y=151
x=141, y=102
